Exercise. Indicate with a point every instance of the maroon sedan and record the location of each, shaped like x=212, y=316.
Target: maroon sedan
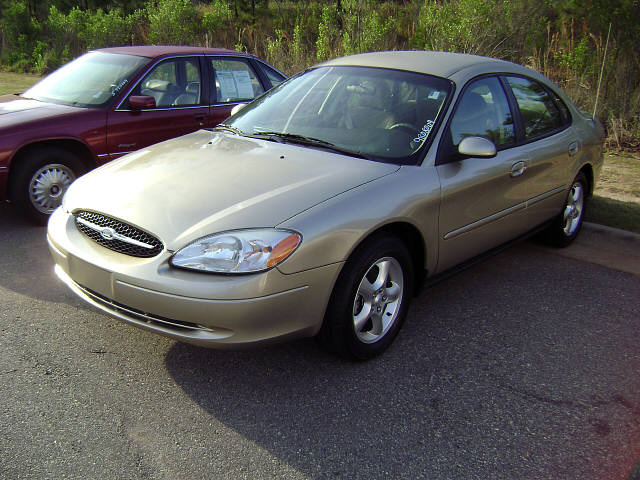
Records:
x=110, y=102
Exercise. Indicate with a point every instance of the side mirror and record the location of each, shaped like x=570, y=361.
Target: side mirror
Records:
x=237, y=108
x=141, y=102
x=477, y=147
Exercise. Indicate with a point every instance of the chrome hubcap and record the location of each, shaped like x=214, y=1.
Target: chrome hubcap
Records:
x=378, y=299
x=573, y=211
x=48, y=185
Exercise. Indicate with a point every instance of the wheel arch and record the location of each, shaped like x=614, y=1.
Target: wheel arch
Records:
x=78, y=148
x=414, y=241
x=587, y=169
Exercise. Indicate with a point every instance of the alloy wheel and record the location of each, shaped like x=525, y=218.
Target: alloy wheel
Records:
x=378, y=300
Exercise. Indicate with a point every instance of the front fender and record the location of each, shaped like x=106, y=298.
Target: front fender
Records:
x=333, y=229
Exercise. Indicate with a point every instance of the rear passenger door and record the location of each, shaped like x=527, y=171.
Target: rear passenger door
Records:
x=549, y=141
x=233, y=80
x=180, y=91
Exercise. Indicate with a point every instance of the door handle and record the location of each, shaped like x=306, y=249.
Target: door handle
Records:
x=518, y=168
x=574, y=148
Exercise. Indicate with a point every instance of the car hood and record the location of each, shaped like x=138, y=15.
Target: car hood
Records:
x=15, y=109
x=208, y=182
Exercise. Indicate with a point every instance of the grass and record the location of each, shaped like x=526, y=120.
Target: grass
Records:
x=16, y=82
x=616, y=200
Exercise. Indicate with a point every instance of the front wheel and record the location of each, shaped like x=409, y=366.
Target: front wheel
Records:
x=566, y=227
x=41, y=179
x=370, y=299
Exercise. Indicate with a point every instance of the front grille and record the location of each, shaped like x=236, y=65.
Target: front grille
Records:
x=117, y=236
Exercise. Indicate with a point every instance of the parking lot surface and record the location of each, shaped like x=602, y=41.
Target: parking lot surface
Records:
x=523, y=366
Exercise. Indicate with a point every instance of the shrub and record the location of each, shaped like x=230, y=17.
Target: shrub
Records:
x=468, y=26
x=20, y=33
x=327, y=35
x=173, y=22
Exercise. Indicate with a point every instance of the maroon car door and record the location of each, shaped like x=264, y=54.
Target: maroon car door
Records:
x=181, y=106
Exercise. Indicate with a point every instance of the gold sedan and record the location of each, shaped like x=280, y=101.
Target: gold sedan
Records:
x=317, y=209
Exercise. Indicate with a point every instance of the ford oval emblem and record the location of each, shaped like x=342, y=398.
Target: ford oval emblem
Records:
x=107, y=233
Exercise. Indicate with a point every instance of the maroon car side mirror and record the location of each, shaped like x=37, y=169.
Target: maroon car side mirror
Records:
x=141, y=102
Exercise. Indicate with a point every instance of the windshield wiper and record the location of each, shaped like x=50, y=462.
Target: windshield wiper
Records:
x=294, y=138
x=284, y=137
x=229, y=128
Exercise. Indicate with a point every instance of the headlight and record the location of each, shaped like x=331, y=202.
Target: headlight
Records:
x=240, y=251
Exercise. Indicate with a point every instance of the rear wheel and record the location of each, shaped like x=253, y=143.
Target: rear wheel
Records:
x=566, y=227
x=370, y=299
x=42, y=177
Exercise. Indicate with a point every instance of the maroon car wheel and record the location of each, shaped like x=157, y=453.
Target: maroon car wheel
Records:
x=42, y=177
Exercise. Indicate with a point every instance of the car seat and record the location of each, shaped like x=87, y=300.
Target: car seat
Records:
x=191, y=95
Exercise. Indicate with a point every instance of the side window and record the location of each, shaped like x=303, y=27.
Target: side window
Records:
x=173, y=83
x=539, y=113
x=564, y=110
x=192, y=89
x=235, y=80
x=274, y=77
x=483, y=111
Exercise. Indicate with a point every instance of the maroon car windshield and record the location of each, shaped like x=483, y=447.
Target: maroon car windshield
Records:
x=91, y=80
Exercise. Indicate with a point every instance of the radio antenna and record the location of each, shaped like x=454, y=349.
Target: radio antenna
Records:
x=604, y=59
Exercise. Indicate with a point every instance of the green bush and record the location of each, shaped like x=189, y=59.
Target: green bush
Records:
x=216, y=16
x=364, y=29
x=327, y=32
x=20, y=33
x=107, y=29
x=172, y=22
x=468, y=26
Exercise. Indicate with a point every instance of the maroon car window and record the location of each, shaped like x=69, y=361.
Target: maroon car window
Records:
x=235, y=80
x=173, y=83
x=274, y=77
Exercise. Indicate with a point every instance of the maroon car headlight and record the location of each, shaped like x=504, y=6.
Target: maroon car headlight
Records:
x=238, y=251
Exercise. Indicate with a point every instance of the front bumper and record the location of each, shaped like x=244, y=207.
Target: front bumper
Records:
x=209, y=310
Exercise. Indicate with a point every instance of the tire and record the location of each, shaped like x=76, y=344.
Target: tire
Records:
x=566, y=226
x=370, y=299
x=41, y=179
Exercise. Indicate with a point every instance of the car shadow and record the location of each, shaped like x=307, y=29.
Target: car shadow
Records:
x=321, y=415
x=454, y=394
x=26, y=266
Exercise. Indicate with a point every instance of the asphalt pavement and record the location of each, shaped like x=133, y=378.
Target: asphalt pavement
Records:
x=523, y=366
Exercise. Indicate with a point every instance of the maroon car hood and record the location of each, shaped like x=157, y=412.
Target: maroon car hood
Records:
x=16, y=109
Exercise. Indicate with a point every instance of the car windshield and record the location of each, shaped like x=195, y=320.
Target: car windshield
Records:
x=88, y=81
x=376, y=113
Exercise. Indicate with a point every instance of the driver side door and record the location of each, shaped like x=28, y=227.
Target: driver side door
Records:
x=182, y=106
x=483, y=200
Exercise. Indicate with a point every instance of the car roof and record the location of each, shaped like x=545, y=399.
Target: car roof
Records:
x=153, y=51
x=441, y=64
